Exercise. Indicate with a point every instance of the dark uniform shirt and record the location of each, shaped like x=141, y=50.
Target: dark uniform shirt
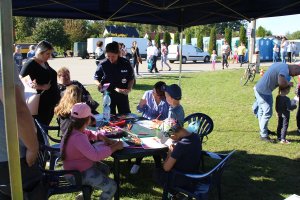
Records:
x=118, y=75
x=284, y=105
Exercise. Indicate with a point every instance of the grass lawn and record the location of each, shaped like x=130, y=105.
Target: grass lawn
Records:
x=258, y=170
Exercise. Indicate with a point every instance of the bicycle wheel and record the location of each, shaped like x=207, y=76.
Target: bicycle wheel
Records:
x=252, y=72
x=245, y=78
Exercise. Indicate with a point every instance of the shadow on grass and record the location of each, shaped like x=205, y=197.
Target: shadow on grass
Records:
x=264, y=177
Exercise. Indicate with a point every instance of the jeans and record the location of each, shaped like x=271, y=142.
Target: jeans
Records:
x=154, y=64
x=135, y=65
x=97, y=177
x=283, y=124
x=224, y=60
x=164, y=61
x=241, y=59
x=283, y=55
x=264, y=113
x=275, y=56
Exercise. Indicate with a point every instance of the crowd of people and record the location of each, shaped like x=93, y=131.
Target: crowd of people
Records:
x=74, y=107
x=286, y=49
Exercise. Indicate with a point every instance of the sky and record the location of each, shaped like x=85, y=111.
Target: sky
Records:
x=280, y=25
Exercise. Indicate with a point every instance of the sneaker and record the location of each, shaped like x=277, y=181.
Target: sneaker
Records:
x=283, y=141
x=79, y=196
x=267, y=139
x=271, y=132
x=134, y=169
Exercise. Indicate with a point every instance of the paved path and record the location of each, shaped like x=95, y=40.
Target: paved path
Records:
x=83, y=69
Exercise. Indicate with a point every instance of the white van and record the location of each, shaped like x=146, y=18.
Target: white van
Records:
x=189, y=53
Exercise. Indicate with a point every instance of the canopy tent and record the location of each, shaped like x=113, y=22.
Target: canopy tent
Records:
x=178, y=13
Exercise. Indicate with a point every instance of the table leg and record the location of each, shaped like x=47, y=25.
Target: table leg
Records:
x=117, y=178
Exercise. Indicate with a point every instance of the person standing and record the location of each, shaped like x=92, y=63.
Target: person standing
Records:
x=44, y=80
x=241, y=53
x=225, y=53
x=99, y=53
x=31, y=52
x=275, y=53
x=278, y=74
x=294, y=49
x=213, y=59
x=18, y=58
x=289, y=50
x=28, y=144
x=155, y=56
x=235, y=55
x=119, y=73
x=283, y=49
x=164, y=56
x=150, y=54
x=135, y=57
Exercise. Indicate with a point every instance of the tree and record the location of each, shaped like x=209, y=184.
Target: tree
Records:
x=269, y=33
x=24, y=27
x=176, y=38
x=94, y=29
x=167, y=38
x=157, y=40
x=243, y=37
x=76, y=30
x=293, y=36
x=212, y=40
x=228, y=36
x=200, y=40
x=233, y=25
x=188, y=37
x=261, y=32
x=52, y=31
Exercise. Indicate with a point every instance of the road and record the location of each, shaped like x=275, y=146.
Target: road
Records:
x=83, y=69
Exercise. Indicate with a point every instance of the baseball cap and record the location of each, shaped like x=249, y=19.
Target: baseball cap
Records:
x=81, y=110
x=173, y=90
x=18, y=47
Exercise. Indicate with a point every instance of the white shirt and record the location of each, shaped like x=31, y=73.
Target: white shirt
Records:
x=289, y=48
x=99, y=51
x=225, y=48
x=150, y=51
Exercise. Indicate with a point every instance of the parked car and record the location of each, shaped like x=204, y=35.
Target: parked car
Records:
x=189, y=53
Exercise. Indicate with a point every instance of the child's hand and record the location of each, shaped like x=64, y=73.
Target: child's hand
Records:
x=119, y=145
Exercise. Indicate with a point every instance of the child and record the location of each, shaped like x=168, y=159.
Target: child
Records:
x=185, y=156
x=213, y=59
x=283, y=108
x=78, y=153
x=173, y=97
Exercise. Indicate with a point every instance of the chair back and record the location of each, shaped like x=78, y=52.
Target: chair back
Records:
x=42, y=133
x=204, y=124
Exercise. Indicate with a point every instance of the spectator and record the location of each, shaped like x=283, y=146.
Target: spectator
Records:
x=78, y=153
x=225, y=53
x=235, y=54
x=31, y=52
x=294, y=49
x=164, y=55
x=241, y=53
x=28, y=145
x=155, y=56
x=71, y=96
x=275, y=53
x=135, y=56
x=119, y=73
x=278, y=74
x=64, y=80
x=213, y=59
x=283, y=108
x=18, y=58
x=99, y=53
x=283, y=49
x=150, y=55
x=289, y=51
x=123, y=51
x=44, y=80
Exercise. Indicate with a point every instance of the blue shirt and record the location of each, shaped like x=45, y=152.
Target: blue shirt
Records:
x=269, y=81
x=177, y=113
x=30, y=54
x=151, y=110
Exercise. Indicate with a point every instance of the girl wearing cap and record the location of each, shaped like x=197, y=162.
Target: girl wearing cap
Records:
x=43, y=79
x=79, y=154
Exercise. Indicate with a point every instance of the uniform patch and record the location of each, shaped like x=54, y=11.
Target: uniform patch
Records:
x=124, y=80
x=124, y=71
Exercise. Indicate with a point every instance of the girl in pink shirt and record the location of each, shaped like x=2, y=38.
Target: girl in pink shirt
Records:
x=78, y=153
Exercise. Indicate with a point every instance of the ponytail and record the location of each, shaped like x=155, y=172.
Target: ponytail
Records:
x=75, y=124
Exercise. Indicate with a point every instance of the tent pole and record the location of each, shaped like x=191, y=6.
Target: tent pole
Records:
x=252, y=40
x=180, y=55
x=9, y=102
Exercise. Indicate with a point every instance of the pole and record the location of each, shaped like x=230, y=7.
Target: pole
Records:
x=9, y=102
x=180, y=56
x=252, y=40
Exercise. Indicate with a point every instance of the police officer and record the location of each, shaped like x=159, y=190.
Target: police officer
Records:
x=118, y=72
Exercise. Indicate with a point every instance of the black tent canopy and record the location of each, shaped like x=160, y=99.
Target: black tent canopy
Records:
x=178, y=13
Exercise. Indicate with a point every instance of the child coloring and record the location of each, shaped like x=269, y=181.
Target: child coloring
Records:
x=78, y=153
x=283, y=107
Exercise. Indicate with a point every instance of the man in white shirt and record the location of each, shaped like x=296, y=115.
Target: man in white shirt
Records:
x=225, y=53
x=152, y=53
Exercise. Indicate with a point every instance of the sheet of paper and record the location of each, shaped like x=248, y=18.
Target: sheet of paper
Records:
x=146, y=123
x=152, y=143
x=293, y=197
x=124, y=143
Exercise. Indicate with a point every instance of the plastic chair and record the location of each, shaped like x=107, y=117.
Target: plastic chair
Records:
x=54, y=149
x=204, y=183
x=55, y=179
x=204, y=125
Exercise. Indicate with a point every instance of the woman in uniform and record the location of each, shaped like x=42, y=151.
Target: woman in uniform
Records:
x=118, y=72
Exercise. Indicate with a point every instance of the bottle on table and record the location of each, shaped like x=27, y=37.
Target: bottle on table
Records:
x=106, y=106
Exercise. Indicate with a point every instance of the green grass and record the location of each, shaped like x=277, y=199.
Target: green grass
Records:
x=258, y=170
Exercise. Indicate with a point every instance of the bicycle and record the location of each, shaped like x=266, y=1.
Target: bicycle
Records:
x=249, y=74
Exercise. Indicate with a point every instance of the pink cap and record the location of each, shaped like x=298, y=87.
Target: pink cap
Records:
x=81, y=110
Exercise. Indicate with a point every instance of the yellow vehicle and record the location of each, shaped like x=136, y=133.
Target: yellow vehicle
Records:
x=24, y=48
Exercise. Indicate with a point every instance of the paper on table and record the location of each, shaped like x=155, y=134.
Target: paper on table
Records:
x=293, y=197
x=152, y=143
x=146, y=123
x=124, y=143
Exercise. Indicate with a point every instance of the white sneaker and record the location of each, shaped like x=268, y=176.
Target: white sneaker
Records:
x=134, y=169
x=79, y=196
